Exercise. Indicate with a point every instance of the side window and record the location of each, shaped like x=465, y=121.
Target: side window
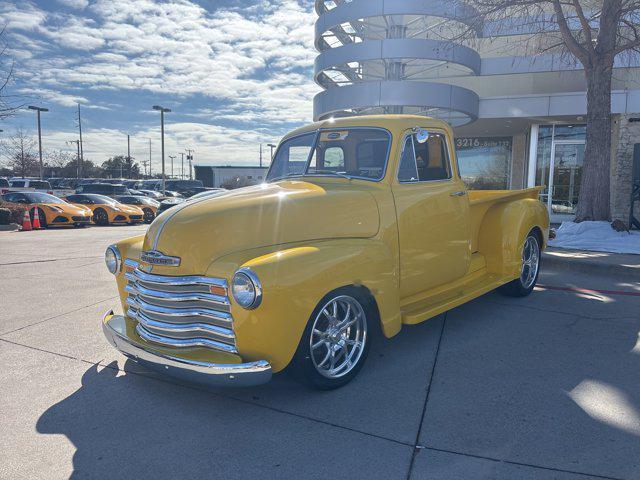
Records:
x=18, y=184
x=12, y=197
x=432, y=159
x=408, y=171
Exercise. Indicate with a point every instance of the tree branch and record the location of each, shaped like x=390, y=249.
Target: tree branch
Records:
x=572, y=44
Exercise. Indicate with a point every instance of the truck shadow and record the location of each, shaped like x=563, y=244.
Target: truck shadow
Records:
x=539, y=388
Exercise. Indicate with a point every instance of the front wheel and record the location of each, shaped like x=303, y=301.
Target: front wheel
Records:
x=336, y=341
x=148, y=215
x=523, y=286
x=100, y=217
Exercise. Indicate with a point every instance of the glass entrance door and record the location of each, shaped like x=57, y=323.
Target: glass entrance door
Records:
x=567, y=158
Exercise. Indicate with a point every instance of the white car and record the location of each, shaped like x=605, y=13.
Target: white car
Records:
x=30, y=185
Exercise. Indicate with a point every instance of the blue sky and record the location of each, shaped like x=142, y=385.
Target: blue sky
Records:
x=234, y=72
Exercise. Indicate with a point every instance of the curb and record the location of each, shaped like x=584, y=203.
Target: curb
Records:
x=622, y=266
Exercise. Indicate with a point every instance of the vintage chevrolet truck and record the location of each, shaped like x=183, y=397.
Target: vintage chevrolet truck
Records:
x=362, y=226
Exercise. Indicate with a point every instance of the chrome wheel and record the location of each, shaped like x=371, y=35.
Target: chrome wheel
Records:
x=338, y=337
x=530, y=262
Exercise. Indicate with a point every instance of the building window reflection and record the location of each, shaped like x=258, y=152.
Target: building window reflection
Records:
x=485, y=162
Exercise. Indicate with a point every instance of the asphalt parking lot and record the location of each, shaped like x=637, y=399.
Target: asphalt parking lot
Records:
x=546, y=387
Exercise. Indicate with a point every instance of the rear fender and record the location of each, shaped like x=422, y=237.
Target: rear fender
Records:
x=504, y=229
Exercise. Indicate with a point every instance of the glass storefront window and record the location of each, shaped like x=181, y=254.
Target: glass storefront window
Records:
x=485, y=162
x=545, y=141
x=559, y=167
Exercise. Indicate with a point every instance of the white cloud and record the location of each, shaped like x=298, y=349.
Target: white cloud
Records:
x=65, y=100
x=250, y=61
x=78, y=4
x=180, y=48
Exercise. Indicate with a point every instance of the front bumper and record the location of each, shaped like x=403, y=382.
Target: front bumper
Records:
x=210, y=374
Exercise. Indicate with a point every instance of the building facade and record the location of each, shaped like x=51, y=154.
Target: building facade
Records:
x=218, y=176
x=518, y=115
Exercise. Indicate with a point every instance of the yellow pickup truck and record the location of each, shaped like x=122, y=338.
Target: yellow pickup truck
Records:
x=362, y=226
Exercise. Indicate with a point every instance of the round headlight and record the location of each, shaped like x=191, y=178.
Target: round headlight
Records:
x=113, y=259
x=246, y=289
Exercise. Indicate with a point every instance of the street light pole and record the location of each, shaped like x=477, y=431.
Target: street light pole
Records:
x=162, y=111
x=271, y=146
x=172, y=157
x=38, y=110
x=190, y=158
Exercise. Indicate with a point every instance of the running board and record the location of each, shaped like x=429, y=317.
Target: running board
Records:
x=419, y=312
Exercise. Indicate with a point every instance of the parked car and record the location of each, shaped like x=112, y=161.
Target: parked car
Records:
x=107, y=189
x=30, y=184
x=151, y=194
x=364, y=226
x=51, y=209
x=168, y=203
x=149, y=206
x=186, y=188
x=4, y=186
x=106, y=210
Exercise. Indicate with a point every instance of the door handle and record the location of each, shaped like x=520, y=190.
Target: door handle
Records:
x=461, y=193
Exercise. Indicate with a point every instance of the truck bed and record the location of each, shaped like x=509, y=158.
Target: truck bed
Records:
x=480, y=201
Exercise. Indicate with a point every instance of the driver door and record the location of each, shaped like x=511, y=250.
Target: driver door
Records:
x=432, y=208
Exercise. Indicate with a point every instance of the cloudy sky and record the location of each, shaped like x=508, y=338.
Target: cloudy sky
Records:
x=234, y=73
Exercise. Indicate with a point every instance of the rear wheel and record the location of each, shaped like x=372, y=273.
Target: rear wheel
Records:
x=100, y=217
x=523, y=286
x=336, y=341
x=148, y=215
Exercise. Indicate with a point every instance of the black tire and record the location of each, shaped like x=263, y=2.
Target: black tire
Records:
x=304, y=366
x=100, y=217
x=524, y=285
x=149, y=216
x=41, y=217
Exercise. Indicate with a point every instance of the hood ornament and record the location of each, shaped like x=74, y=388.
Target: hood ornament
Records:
x=154, y=257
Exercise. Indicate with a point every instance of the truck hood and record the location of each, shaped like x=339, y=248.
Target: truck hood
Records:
x=204, y=230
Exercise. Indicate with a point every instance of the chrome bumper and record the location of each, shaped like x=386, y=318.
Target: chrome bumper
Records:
x=211, y=374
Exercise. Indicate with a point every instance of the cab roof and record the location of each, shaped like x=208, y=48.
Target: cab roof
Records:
x=393, y=123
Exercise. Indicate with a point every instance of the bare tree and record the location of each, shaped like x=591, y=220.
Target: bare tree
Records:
x=594, y=32
x=9, y=104
x=19, y=151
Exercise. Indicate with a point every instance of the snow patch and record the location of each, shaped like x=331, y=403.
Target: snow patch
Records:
x=597, y=237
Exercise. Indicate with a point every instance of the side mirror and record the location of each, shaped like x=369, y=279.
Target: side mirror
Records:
x=422, y=135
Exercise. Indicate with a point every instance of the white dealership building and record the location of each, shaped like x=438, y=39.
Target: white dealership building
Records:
x=519, y=117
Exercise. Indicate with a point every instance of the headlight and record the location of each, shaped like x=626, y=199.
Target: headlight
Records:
x=113, y=259
x=246, y=289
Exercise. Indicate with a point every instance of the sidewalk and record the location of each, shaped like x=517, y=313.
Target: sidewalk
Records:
x=623, y=266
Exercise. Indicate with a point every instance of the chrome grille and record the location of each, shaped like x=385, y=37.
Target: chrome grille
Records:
x=179, y=312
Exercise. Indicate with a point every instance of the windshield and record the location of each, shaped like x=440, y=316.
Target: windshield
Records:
x=352, y=153
x=37, y=197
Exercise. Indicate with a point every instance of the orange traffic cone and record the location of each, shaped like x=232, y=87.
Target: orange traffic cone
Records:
x=26, y=222
x=36, y=220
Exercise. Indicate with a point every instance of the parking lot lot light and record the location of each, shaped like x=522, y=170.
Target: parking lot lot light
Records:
x=162, y=111
x=38, y=110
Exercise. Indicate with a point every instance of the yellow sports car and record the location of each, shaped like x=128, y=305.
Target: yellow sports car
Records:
x=106, y=210
x=149, y=206
x=51, y=209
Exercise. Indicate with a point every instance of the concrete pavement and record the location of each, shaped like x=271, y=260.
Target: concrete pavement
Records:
x=539, y=388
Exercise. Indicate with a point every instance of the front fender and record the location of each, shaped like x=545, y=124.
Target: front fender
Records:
x=504, y=229
x=294, y=280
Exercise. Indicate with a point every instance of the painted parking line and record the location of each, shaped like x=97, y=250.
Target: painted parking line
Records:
x=588, y=291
